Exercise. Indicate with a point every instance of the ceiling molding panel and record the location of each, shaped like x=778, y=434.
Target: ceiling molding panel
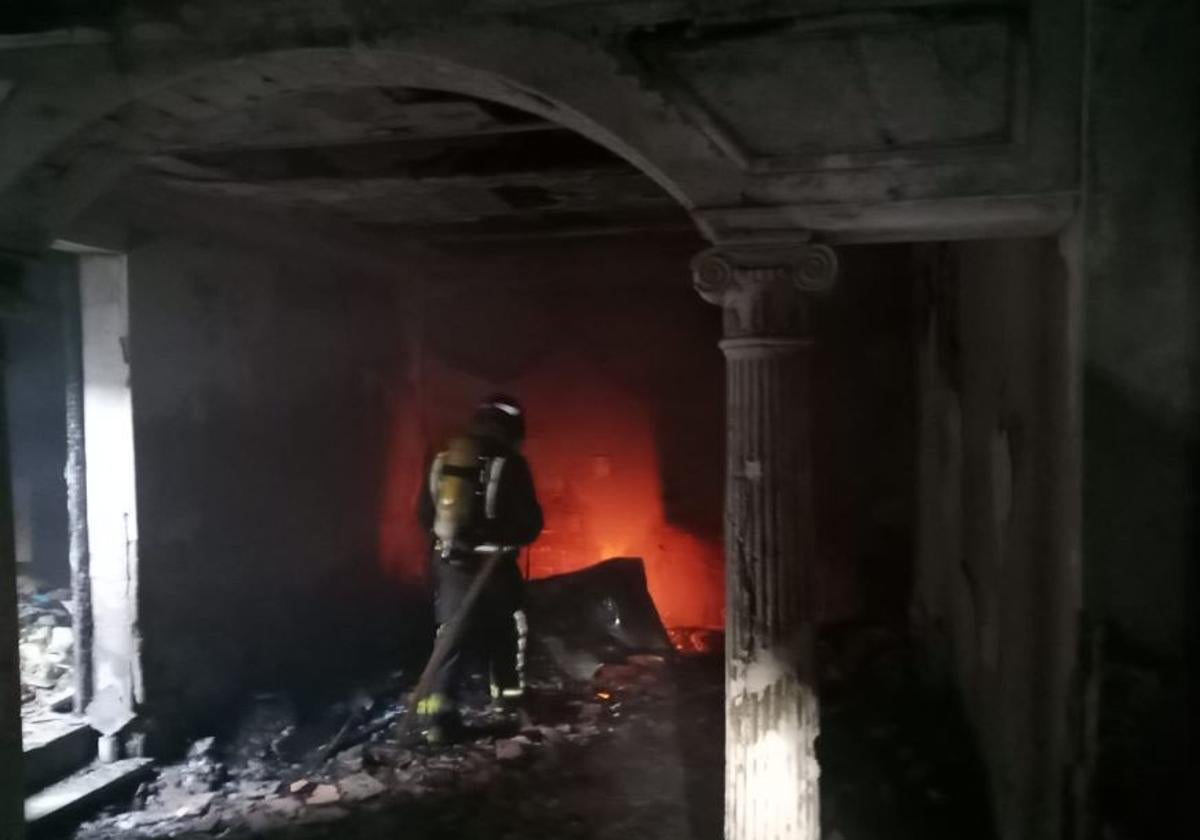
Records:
x=849, y=92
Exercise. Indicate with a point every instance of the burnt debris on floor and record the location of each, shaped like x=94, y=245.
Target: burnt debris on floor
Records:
x=595, y=615
x=271, y=777
x=623, y=739
x=635, y=752
x=607, y=691
x=47, y=644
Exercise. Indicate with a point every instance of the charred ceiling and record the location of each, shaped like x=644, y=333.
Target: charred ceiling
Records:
x=420, y=163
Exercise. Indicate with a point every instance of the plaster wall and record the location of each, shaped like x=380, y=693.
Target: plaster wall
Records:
x=35, y=384
x=262, y=387
x=1138, y=248
x=1141, y=256
x=112, y=514
x=996, y=595
x=864, y=391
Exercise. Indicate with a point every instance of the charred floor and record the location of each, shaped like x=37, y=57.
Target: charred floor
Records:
x=627, y=754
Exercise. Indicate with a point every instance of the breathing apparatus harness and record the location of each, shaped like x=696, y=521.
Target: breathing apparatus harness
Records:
x=464, y=484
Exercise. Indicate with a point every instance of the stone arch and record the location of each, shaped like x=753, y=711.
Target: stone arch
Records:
x=555, y=77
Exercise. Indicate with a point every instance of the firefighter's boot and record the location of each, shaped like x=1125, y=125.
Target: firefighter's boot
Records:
x=440, y=719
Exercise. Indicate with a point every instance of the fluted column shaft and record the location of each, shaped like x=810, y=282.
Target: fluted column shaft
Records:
x=771, y=711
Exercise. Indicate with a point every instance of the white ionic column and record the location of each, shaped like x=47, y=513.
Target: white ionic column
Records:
x=771, y=711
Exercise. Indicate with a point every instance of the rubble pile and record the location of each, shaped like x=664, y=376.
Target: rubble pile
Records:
x=632, y=753
x=604, y=747
x=272, y=778
x=621, y=739
x=598, y=615
x=47, y=643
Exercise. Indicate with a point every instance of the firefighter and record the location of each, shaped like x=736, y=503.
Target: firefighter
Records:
x=479, y=499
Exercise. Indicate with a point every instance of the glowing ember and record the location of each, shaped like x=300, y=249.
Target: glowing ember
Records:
x=695, y=639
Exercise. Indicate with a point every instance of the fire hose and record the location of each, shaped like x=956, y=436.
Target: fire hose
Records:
x=447, y=637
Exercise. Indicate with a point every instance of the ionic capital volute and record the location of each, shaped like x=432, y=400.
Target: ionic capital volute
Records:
x=763, y=289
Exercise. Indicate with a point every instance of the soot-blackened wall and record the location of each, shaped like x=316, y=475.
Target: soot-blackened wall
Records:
x=997, y=587
x=261, y=397
x=864, y=408
x=35, y=383
x=1141, y=397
